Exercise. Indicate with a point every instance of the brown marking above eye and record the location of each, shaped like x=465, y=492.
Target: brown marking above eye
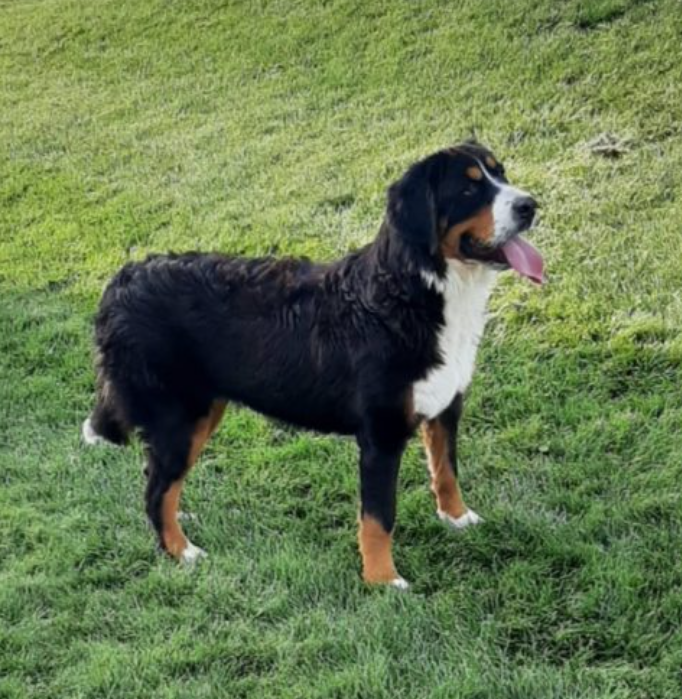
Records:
x=490, y=161
x=474, y=173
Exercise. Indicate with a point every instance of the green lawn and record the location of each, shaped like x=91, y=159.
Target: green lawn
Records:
x=129, y=126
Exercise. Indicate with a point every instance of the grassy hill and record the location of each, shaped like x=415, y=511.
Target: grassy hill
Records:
x=275, y=127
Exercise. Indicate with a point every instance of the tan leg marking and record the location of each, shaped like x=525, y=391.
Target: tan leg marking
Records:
x=216, y=415
x=375, y=548
x=174, y=538
x=443, y=480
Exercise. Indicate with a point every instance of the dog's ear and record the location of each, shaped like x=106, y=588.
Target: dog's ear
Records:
x=412, y=209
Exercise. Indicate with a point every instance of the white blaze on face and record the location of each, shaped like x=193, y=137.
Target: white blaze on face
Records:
x=506, y=223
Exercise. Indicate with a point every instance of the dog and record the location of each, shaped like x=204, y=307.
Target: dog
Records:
x=375, y=345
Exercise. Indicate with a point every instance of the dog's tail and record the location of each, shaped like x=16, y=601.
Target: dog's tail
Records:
x=105, y=423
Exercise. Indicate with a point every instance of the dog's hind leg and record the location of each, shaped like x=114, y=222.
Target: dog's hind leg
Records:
x=172, y=449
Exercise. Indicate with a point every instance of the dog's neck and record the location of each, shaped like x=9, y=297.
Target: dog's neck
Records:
x=397, y=260
x=461, y=274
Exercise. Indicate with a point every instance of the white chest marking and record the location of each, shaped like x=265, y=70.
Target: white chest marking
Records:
x=465, y=290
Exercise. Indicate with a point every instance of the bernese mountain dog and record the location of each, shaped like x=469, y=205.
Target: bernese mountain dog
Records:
x=375, y=345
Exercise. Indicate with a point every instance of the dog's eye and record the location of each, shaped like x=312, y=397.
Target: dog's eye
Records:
x=470, y=189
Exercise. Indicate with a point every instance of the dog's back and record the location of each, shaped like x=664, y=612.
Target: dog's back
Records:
x=195, y=328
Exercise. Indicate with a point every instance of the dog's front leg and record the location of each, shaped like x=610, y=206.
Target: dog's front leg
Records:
x=379, y=465
x=440, y=441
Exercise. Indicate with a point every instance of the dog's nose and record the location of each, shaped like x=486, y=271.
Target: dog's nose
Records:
x=524, y=208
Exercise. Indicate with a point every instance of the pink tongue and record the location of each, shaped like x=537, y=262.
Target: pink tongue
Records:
x=524, y=258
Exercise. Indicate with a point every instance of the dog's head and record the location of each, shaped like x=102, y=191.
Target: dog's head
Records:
x=458, y=205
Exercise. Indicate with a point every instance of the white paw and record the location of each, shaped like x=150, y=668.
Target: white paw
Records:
x=399, y=583
x=468, y=519
x=192, y=554
x=90, y=436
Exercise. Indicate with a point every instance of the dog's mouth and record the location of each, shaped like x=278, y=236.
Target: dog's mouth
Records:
x=516, y=253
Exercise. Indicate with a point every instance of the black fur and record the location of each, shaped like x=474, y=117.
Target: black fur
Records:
x=450, y=418
x=331, y=347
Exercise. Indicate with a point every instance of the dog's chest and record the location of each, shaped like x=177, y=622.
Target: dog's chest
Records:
x=465, y=295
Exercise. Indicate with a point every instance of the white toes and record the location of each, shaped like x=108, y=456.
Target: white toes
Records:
x=192, y=554
x=89, y=435
x=468, y=519
x=399, y=583
x=474, y=518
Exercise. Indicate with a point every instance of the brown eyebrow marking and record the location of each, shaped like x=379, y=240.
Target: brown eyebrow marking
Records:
x=490, y=161
x=474, y=173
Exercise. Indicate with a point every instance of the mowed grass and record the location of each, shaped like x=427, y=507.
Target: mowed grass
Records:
x=274, y=127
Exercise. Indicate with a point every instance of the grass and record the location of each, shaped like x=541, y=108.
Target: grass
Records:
x=129, y=127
